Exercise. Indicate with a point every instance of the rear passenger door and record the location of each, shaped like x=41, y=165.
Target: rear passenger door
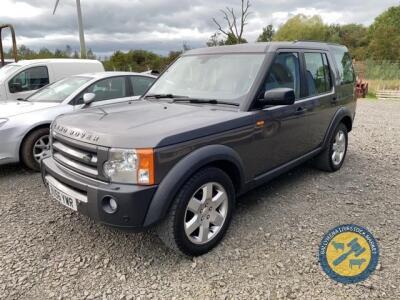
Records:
x=320, y=95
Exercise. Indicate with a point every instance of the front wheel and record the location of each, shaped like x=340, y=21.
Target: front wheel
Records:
x=200, y=214
x=35, y=147
x=332, y=158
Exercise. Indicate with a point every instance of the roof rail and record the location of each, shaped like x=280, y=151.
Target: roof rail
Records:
x=316, y=41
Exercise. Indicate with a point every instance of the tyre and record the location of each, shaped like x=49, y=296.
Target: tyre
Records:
x=35, y=147
x=332, y=158
x=200, y=214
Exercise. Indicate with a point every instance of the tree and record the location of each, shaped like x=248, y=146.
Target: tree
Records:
x=235, y=25
x=215, y=40
x=90, y=54
x=301, y=27
x=384, y=35
x=68, y=50
x=186, y=47
x=267, y=34
x=355, y=37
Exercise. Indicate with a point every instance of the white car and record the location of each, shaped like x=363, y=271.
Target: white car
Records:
x=20, y=79
x=24, y=125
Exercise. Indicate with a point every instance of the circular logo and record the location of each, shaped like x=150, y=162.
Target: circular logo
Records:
x=348, y=253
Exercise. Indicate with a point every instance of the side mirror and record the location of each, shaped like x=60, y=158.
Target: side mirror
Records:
x=88, y=98
x=279, y=96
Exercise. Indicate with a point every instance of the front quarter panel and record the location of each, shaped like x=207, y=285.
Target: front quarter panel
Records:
x=16, y=129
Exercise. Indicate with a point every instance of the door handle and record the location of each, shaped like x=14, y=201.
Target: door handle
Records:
x=300, y=110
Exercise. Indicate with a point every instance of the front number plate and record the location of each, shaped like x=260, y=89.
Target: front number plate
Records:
x=63, y=198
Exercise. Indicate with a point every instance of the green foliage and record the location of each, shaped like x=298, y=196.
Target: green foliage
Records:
x=301, y=27
x=231, y=39
x=26, y=53
x=385, y=35
x=382, y=70
x=139, y=61
x=267, y=34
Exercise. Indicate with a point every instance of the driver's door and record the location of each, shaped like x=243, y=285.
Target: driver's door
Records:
x=27, y=82
x=282, y=130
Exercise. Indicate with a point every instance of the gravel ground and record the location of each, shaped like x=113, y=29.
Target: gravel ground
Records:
x=270, y=251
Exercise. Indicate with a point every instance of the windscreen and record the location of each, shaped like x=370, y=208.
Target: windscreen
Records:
x=60, y=90
x=7, y=70
x=227, y=77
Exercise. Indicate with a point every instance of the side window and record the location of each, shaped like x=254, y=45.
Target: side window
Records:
x=284, y=72
x=29, y=80
x=318, y=76
x=344, y=64
x=106, y=89
x=140, y=84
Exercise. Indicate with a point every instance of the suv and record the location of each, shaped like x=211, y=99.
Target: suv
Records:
x=218, y=122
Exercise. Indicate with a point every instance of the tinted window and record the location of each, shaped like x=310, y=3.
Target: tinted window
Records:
x=140, y=84
x=110, y=88
x=317, y=74
x=345, y=65
x=29, y=80
x=284, y=73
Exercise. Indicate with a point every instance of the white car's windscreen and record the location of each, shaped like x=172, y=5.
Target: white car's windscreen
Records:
x=7, y=70
x=60, y=90
x=218, y=76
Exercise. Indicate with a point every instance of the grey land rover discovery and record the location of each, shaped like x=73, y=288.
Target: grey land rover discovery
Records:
x=217, y=123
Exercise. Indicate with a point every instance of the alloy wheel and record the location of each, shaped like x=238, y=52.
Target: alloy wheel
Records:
x=41, y=148
x=338, y=148
x=206, y=213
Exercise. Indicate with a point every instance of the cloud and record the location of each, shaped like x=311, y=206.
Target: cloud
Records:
x=161, y=25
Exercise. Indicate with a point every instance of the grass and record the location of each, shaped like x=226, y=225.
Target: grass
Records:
x=379, y=75
x=375, y=85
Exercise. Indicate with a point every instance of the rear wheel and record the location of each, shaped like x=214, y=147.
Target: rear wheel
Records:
x=35, y=147
x=332, y=158
x=200, y=214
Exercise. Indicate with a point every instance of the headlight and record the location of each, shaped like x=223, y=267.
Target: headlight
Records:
x=3, y=121
x=130, y=166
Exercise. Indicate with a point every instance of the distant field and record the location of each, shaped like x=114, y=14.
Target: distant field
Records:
x=379, y=75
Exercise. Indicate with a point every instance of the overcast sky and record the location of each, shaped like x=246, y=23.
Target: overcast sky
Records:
x=162, y=25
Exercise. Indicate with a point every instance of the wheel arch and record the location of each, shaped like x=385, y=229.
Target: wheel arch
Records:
x=342, y=115
x=220, y=156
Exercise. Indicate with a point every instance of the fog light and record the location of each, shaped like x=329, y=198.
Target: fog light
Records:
x=110, y=205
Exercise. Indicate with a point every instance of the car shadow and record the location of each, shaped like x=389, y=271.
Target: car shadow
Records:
x=14, y=169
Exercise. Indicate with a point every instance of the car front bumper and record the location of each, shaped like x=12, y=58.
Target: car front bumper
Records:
x=133, y=200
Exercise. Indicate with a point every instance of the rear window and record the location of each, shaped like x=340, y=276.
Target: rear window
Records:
x=345, y=64
x=318, y=76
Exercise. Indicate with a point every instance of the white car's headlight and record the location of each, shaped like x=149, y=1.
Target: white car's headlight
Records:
x=3, y=121
x=130, y=166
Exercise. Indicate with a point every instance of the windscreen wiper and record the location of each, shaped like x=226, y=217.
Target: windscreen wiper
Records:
x=207, y=101
x=160, y=96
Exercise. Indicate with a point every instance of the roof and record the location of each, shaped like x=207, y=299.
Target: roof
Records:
x=113, y=74
x=56, y=60
x=261, y=47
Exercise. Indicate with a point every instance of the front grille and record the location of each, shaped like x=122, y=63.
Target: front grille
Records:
x=77, y=156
